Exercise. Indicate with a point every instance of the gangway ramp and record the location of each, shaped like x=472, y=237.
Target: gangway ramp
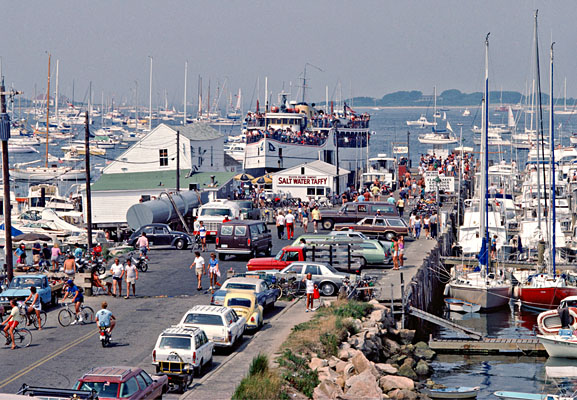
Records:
x=444, y=323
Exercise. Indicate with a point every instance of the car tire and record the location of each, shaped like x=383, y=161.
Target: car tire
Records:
x=389, y=236
x=328, y=289
x=328, y=224
x=221, y=256
x=179, y=244
x=363, y=262
x=268, y=251
x=253, y=254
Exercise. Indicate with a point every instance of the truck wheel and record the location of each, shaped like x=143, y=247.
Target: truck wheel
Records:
x=328, y=224
x=179, y=244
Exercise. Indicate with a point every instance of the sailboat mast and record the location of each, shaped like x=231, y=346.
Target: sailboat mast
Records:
x=434, y=107
x=47, y=111
x=150, y=98
x=537, y=124
x=483, y=228
x=56, y=97
x=185, y=84
x=552, y=166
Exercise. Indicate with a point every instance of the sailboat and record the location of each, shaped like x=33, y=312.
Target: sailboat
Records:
x=482, y=287
x=546, y=290
x=47, y=172
x=565, y=111
x=438, y=137
x=236, y=113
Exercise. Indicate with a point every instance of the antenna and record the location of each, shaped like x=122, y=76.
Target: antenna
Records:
x=304, y=78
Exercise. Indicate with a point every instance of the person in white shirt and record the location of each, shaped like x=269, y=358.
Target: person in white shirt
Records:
x=199, y=267
x=131, y=277
x=280, y=223
x=290, y=225
x=117, y=272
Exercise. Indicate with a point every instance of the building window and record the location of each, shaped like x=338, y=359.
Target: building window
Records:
x=163, y=157
x=316, y=191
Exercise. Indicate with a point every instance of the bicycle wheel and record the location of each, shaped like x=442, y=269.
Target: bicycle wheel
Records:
x=43, y=317
x=280, y=291
x=65, y=317
x=22, y=337
x=87, y=315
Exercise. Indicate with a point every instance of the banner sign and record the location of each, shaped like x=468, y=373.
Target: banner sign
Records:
x=432, y=184
x=303, y=180
x=400, y=150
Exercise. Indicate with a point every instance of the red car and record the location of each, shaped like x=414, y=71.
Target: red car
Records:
x=286, y=256
x=123, y=383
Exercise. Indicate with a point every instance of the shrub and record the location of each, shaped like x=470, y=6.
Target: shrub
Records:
x=259, y=386
x=298, y=374
x=259, y=365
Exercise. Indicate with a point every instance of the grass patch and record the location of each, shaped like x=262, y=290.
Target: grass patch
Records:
x=259, y=365
x=297, y=373
x=261, y=382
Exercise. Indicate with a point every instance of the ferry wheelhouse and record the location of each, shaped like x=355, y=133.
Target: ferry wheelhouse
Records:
x=296, y=133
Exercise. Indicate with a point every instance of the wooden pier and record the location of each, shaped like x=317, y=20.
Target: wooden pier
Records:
x=501, y=346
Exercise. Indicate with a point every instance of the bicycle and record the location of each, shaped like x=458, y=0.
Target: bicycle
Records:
x=32, y=318
x=66, y=315
x=22, y=337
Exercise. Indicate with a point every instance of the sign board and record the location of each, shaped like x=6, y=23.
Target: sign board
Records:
x=447, y=184
x=303, y=180
x=400, y=150
x=431, y=174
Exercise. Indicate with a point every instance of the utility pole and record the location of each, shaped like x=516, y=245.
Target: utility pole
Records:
x=409, y=163
x=4, y=136
x=336, y=133
x=88, y=193
x=178, y=161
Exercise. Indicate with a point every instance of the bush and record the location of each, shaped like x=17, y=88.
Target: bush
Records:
x=259, y=386
x=259, y=365
x=353, y=309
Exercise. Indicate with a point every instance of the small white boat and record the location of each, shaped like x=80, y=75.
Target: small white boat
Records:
x=458, y=305
x=422, y=122
x=564, y=345
x=466, y=113
x=17, y=148
x=530, y=396
x=549, y=322
x=459, y=392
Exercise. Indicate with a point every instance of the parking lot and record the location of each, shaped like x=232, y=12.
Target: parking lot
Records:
x=58, y=356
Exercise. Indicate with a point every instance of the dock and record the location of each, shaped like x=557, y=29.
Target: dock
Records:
x=501, y=346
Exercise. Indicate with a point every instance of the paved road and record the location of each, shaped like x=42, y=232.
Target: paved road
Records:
x=58, y=356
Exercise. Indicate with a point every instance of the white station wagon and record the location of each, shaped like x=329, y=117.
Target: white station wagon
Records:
x=222, y=325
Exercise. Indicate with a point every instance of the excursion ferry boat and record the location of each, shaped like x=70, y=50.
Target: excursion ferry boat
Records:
x=296, y=133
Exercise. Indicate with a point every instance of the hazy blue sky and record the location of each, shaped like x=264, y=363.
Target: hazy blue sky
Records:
x=374, y=47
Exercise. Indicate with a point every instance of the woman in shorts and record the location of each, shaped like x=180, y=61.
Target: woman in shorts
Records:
x=11, y=322
x=213, y=271
x=54, y=257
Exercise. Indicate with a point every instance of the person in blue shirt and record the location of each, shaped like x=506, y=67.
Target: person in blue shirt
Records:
x=105, y=318
x=77, y=298
x=77, y=251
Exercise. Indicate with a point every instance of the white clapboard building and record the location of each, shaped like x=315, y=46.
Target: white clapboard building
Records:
x=149, y=167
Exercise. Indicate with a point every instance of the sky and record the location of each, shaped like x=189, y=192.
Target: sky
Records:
x=356, y=48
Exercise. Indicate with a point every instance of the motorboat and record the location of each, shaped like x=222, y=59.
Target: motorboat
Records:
x=462, y=306
x=562, y=345
x=549, y=322
x=530, y=396
x=466, y=113
x=459, y=392
x=422, y=122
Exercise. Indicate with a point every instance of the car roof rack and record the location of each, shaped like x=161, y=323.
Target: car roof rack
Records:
x=55, y=393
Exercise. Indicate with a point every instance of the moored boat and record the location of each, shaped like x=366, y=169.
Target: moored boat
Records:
x=529, y=396
x=563, y=345
x=462, y=306
x=458, y=392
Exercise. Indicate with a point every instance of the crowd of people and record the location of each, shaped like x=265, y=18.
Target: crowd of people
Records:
x=288, y=136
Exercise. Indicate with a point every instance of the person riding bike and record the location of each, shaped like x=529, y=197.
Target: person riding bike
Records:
x=142, y=244
x=35, y=306
x=11, y=323
x=104, y=318
x=77, y=298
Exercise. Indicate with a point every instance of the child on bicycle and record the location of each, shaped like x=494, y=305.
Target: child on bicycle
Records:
x=11, y=323
x=77, y=299
x=35, y=306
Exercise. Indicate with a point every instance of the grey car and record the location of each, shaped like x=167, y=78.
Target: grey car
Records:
x=325, y=276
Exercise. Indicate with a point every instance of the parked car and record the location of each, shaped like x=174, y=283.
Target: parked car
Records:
x=265, y=294
x=328, y=279
x=379, y=227
x=370, y=252
x=180, y=353
x=161, y=235
x=244, y=302
x=246, y=238
x=221, y=325
x=354, y=212
x=248, y=210
x=19, y=289
x=123, y=383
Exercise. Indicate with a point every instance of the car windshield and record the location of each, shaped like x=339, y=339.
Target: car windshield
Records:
x=104, y=389
x=174, y=342
x=279, y=255
x=242, y=286
x=239, y=302
x=215, y=212
x=25, y=283
x=203, y=319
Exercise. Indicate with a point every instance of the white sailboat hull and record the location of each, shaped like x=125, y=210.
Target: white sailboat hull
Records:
x=488, y=297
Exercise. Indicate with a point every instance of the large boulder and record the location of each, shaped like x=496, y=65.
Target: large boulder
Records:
x=317, y=363
x=362, y=364
x=347, y=370
x=407, y=371
x=378, y=316
x=406, y=335
x=386, y=369
x=390, y=382
x=423, y=351
x=391, y=347
x=333, y=361
x=422, y=368
x=327, y=390
x=326, y=373
x=363, y=386
x=402, y=394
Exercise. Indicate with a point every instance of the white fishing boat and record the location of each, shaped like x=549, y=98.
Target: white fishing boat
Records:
x=564, y=345
x=422, y=122
x=466, y=113
x=81, y=150
x=459, y=392
x=462, y=306
x=530, y=396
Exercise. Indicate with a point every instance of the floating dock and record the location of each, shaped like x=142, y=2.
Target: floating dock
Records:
x=501, y=346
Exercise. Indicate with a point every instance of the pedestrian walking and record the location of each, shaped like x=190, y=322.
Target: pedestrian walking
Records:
x=427, y=226
x=131, y=273
x=280, y=224
x=213, y=271
x=69, y=266
x=117, y=271
x=401, y=206
x=290, y=224
x=316, y=215
x=417, y=226
x=199, y=268
x=202, y=235
x=401, y=246
x=36, y=252
x=305, y=219
x=434, y=222
x=395, y=253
